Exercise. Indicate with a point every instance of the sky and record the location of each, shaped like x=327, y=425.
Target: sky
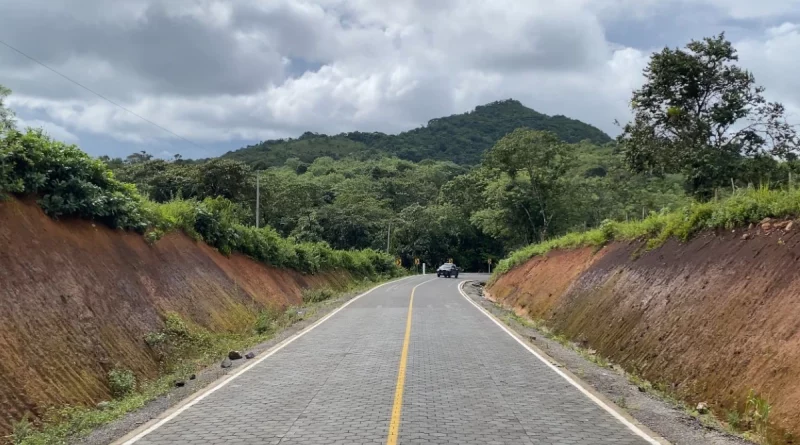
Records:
x=224, y=74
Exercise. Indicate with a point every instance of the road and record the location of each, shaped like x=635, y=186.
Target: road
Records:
x=370, y=375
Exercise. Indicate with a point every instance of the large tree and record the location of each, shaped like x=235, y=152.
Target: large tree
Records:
x=699, y=113
x=538, y=161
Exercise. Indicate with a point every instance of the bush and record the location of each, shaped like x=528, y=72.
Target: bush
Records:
x=174, y=326
x=68, y=182
x=317, y=295
x=121, y=382
x=21, y=430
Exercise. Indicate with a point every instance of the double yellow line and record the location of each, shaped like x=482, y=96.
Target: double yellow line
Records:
x=397, y=407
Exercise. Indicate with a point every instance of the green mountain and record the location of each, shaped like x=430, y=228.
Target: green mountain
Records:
x=461, y=138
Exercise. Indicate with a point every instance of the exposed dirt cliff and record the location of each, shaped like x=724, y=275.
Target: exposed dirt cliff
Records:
x=76, y=299
x=713, y=317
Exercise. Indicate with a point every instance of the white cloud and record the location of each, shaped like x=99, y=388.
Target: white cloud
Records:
x=749, y=9
x=216, y=71
x=53, y=130
x=773, y=63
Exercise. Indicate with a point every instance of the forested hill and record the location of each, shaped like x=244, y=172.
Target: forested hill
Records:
x=461, y=138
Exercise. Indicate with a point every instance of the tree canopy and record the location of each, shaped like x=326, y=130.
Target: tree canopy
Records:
x=700, y=114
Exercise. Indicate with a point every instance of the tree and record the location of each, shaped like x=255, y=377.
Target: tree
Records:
x=230, y=179
x=544, y=160
x=137, y=158
x=6, y=115
x=698, y=113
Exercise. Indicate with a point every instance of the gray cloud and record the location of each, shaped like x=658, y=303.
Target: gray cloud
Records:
x=157, y=51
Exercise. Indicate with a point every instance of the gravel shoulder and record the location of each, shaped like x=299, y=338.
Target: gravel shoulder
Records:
x=666, y=419
x=122, y=426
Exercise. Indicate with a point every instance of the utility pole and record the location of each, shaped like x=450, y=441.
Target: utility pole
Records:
x=388, y=236
x=258, y=196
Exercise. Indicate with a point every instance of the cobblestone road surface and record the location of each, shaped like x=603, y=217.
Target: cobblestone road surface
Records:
x=466, y=382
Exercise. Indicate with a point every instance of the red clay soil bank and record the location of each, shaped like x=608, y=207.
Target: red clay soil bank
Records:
x=713, y=317
x=77, y=299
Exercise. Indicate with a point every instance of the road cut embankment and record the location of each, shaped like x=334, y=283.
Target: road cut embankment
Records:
x=77, y=299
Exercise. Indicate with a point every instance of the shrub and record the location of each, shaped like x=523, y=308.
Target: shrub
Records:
x=21, y=430
x=317, y=295
x=154, y=339
x=174, y=326
x=68, y=182
x=121, y=382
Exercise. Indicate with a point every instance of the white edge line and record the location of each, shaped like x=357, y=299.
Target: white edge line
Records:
x=580, y=388
x=269, y=353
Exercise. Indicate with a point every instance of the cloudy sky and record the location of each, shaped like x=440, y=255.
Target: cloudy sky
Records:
x=224, y=74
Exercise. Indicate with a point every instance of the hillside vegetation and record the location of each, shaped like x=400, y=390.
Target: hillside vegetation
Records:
x=460, y=138
x=435, y=210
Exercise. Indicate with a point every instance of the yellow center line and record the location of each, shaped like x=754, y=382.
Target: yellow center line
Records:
x=397, y=408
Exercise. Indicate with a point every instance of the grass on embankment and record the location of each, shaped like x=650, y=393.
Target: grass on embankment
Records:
x=183, y=349
x=742, y=208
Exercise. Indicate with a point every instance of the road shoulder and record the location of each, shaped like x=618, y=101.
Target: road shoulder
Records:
x=666, y=420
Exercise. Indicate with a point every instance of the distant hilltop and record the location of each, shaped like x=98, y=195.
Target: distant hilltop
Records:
x=461, y=138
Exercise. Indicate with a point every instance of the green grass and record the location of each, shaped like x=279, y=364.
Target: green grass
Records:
x=61, y=424
x=738, y=210
x=183, y=349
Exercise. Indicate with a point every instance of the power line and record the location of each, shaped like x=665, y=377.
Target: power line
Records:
x=99, y=95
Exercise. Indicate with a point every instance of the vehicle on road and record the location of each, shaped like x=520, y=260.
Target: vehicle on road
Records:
x=447, y=270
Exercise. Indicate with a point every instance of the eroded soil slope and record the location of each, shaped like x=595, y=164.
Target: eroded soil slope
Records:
x=77, y=299
x=714, y=317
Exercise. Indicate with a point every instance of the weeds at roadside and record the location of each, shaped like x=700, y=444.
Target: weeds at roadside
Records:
x=59, y=425
x=756, y=416
x=734, y=419
x=21, y=429
x=318, y=295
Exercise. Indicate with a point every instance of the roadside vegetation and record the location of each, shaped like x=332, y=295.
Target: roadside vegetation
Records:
x=68, y=183
x=744, y=207
x=735, y=151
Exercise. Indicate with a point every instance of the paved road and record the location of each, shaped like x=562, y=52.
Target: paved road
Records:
x=465, y=381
